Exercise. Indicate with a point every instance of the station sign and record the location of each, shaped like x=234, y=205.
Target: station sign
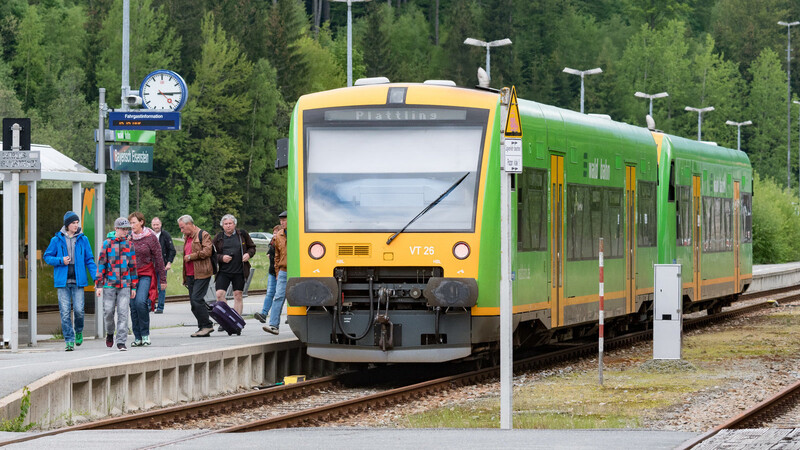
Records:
x=16, y=161
x=144, y=120
x=131, y=158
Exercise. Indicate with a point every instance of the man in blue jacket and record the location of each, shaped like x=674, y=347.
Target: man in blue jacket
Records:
x=70, y=254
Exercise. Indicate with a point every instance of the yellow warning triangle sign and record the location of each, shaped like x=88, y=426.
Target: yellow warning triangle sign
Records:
x=513, y=125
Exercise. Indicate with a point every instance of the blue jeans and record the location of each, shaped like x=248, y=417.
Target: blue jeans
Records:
x=162, y=293
x=140, y=309
x=70, y=298
x=277, y=302
x=270, y=294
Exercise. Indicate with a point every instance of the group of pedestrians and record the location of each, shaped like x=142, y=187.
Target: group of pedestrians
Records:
x=131, y=274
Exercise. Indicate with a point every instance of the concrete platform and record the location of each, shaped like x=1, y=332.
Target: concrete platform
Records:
x=350, y=438
x=95, y=381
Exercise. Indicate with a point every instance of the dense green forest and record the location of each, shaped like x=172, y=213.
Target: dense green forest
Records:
x=247, y=61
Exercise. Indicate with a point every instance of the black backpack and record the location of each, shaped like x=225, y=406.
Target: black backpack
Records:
x=214, y=262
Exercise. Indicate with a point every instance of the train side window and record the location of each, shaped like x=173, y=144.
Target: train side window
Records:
x=597, y=213
x=671, y=191
x=746, y=218
x=613, y=228
x=646, y=212
x=683, y=210
x=532, y=210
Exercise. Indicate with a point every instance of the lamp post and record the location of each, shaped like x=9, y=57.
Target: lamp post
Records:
x=699, y=112
x=651, y=97
x=788, y=26
x=738, y=126
x=349, y=38
x=582, y=74
x=488, y=46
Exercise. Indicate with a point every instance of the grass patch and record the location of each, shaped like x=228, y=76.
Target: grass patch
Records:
x=575, y=400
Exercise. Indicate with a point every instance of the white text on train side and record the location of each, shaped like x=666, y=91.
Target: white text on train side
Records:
x=419, y=250
x=599, y=169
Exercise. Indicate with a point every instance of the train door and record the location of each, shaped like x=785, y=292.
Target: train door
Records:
x=696, y=236
x=736, y=231
x=556, y=239
x=630, y=238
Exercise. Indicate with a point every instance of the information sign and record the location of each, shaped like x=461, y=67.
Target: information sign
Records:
x=144, y=120
x=15, y=161
x=131, y=158
x=512, y=159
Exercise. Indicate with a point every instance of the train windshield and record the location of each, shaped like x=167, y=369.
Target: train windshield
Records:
x=378, y=177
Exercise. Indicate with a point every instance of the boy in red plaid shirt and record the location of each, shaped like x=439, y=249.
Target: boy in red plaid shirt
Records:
x=116, y=281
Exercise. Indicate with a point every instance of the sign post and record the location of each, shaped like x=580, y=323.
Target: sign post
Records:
x=11, y=163
x=512, y=164
x=602, y=291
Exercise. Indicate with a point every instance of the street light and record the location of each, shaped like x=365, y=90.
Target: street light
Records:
x=651, y=97
x=788, y=26
x=738, y=126
x=349, y=39
x=488, y=45
x=583, y=73
x=699, y=112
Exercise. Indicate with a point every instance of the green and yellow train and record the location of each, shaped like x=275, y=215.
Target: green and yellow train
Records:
x=369, y=284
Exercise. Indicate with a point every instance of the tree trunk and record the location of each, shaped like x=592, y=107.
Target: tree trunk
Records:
x=436, y=25
x=326, y=10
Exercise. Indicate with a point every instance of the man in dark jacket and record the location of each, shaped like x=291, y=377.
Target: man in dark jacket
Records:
x=70, y=254
x=167, y=252
x=234, y=250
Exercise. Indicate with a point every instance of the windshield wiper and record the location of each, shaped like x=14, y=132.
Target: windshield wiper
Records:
x=428, y=208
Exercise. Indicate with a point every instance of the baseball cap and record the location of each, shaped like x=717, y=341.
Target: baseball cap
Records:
x=282, y=215
x=122, y=223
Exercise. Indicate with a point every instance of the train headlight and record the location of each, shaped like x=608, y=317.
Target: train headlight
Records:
x=461, y=250
x=316, y=250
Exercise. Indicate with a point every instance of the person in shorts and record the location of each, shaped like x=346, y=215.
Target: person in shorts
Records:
x=234, y=248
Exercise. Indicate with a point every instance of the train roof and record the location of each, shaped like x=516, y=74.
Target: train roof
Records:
x=705, y=152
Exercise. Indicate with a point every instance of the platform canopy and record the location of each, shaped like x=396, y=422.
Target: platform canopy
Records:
x=60, y=167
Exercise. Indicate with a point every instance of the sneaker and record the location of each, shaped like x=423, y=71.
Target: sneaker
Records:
x=260, y=317
x=109, y=340
x=122, y=347
x=78, y=339
x=270, y=329
x=159, y=311
x=145, y=340
x=70, y=347
x=137, y=343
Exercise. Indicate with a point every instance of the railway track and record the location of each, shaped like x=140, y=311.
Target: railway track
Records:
x=778, y=411
x=334, y=410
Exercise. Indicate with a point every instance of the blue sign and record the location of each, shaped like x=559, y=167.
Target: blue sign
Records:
x=131, y=158
x=144, y=120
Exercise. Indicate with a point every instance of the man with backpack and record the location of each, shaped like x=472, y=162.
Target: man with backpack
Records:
x=197, y=271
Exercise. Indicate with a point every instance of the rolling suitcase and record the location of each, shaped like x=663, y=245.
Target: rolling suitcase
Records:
x=227, y=318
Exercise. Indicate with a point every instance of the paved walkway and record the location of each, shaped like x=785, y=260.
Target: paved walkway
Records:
x=169, y=334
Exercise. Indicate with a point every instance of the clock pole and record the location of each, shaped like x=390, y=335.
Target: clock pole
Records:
x=124, y=177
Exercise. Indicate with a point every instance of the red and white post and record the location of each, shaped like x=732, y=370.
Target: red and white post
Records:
x=602, y=319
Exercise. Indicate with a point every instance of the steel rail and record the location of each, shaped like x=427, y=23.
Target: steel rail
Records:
x=752, y=416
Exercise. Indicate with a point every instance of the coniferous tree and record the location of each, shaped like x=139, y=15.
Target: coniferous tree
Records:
x=286, y=24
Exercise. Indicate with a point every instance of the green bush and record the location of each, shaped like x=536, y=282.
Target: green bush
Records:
x=17, y=424
x=776, y=223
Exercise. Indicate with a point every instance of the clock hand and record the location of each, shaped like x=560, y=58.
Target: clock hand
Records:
x=169, y=100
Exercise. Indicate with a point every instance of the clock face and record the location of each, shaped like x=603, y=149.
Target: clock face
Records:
x=163, y=89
